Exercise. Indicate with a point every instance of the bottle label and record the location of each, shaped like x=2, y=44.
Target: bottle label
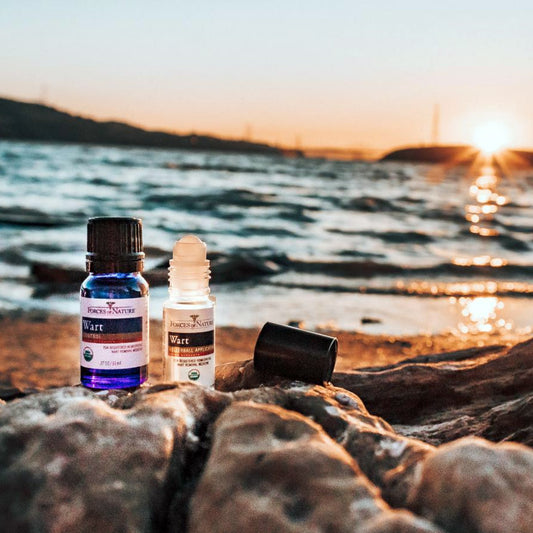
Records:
x=114, y=333
x=190, y=345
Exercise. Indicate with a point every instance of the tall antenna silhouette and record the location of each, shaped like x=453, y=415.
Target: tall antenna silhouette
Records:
x=435, y=125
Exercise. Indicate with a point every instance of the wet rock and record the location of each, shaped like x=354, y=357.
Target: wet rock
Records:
x=370, y=320
x=242, y=268
x=45, y=273
x=416, y=237
x=473, y=486
x=347, y=269
x=370, y=204
x=271, y=470
x=22, y=216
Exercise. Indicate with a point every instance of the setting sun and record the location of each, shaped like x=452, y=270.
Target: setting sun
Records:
x=491, y=137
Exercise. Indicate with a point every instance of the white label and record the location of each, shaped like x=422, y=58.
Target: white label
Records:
x=114, y=333
x=189, y=345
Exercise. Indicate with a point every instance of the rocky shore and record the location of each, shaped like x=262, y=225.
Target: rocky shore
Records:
x=434, y=443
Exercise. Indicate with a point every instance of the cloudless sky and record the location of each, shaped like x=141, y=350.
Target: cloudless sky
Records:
x=348, y=73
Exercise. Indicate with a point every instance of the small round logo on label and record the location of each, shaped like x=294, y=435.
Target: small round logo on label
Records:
x=193, y=374
x=87, y=353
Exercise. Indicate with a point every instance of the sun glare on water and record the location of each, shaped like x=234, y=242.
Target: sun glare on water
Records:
x=482, y=315
x=491, y=137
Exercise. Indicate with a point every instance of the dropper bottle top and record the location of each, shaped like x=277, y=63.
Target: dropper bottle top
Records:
x=189, y=272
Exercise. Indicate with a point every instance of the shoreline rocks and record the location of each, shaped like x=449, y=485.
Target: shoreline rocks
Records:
x=379, y=454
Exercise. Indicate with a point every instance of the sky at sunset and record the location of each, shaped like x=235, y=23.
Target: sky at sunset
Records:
x=339, y=73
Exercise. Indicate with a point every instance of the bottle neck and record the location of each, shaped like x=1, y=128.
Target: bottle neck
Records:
x=120, y=273
x=188, y=282
x=113, y=266
x=178, y=296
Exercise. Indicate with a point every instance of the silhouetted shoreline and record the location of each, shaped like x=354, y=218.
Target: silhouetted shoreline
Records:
x=25, y=121
x=454, y=155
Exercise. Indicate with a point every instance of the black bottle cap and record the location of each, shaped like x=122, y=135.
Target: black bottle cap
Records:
x=295, y=353
x=114, y=244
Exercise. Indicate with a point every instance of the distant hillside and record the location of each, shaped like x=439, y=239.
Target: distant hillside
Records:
x=433, y=154
x=37, y=122
x=458, y=154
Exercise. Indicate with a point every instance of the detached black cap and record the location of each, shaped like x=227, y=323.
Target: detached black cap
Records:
x=114, y=244
x=295, y=353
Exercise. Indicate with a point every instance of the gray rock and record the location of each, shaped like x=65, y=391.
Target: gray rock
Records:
x=70, y=462
x=388, y=459
x=473, y=486
x=272, y=470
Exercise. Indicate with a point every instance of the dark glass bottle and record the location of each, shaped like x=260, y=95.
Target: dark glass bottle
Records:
x=114, y=306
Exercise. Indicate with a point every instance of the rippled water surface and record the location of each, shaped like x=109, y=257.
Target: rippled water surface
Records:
x=382, y=247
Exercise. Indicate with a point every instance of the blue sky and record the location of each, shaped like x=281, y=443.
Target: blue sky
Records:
x=337, y=73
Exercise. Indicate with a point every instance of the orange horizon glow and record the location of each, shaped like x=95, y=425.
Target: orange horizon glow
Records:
x=490, y=137
x=276, y=127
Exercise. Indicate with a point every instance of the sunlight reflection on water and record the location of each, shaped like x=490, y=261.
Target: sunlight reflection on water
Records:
x=487, y=202
x=483, y=314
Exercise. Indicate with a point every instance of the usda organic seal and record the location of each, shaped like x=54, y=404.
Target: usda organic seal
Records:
x=87, y=353
x=194, y=374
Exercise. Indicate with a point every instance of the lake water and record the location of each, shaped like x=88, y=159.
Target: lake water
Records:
x=378, y=247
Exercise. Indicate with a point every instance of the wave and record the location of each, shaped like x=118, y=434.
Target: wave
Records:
x=425, y=290
x=370, y=269
x=20, y=216
x=505, y=240
x=219, y=202
x=416, y=237
x=214, y=168
x=213, y=200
